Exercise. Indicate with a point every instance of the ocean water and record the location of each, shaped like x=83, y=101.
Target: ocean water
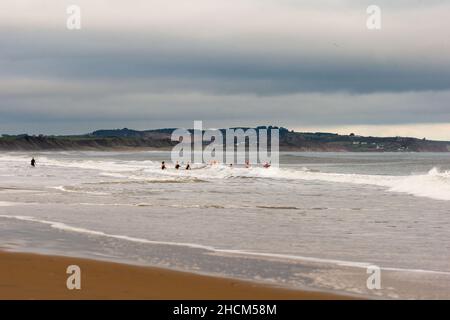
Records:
x=317, y=222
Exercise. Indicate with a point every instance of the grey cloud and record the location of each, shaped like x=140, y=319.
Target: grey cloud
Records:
x=324, y=68
x=221, y=71
x=292, y=110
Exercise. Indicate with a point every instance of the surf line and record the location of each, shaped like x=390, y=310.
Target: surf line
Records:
x=65, y=227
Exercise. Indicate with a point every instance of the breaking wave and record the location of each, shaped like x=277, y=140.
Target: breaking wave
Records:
x=434, y=184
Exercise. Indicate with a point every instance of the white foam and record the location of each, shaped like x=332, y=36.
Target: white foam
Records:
x=65, y=189
x=364, y=265
x=7, y=204
x=434, y=185
x=101, y=165
x=65, y=227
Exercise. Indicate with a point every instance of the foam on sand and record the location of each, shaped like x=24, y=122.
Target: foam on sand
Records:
x=64, y=227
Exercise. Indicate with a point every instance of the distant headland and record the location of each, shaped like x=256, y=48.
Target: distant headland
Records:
x=160, y=139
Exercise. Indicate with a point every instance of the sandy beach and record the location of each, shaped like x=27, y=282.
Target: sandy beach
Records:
x=32, y=276
x=304, y=226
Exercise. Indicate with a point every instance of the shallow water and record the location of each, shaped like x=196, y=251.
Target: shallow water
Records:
x=318, y=221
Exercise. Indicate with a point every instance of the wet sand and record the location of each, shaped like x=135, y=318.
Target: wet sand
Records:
x=32, y=276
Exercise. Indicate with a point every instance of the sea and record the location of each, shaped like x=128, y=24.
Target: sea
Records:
x=363, y=224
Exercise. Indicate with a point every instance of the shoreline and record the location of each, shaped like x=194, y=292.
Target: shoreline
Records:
x=165, y=149
x=42, y=277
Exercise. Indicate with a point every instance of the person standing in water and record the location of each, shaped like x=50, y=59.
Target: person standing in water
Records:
x=177, y=166
x=163, y=165
x=33, y=162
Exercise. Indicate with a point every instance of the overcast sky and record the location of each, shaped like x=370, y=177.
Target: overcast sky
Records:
x=306, y=65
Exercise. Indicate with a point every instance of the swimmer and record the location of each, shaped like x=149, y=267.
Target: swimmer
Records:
x=163, y=166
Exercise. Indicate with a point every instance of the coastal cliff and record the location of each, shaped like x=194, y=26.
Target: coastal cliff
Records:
x=160, y=139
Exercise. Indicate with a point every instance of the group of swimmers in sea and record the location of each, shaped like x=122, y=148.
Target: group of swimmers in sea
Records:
x=177, y=166
x=212, y=163
x=188, y=165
